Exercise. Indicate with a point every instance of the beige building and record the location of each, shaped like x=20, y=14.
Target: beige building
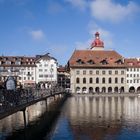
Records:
x=97, y=70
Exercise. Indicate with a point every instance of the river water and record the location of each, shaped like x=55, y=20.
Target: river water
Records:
x=99, y=118
x=80, y=118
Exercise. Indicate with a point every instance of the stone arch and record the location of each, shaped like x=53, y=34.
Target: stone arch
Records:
x=109, y=89
x=77, y=89
x=84, y=90
x=138, y=89
x=116, y=89
x=103, y=89
x=132, y=89
x=97, y=89
x=90, y=89
x=121, y=89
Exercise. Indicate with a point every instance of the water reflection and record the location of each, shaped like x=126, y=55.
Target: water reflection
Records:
x=99, y=118
x=39, y=118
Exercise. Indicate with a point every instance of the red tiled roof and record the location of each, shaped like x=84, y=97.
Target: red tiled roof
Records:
x=132, y=62
x=111, y=58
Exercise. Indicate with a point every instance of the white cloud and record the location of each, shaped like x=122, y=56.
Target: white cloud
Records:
x=37, y=34
x=81, y=4
x=114, y=12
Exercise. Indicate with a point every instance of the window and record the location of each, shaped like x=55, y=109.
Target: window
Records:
x=84, y=72
x=45, y=70
x=97, y=80
x=97, y=72
x=90, y=80
x=45, y=65
x=32, y=78
x=40, y=75
x=77, y=80
x=103, y=80
x=116, y=72
x=24, y=78
x=77, y=72
x=130, y=75
x=127, y=75
x=127, y=81
x=122, y=72
x=46, y=75
x=40, y=70
x=90, y=72
x=122, y=80
x=116, y=80
x=109, y=80
x=103, y=72
x=110, y=72
x=84, y=80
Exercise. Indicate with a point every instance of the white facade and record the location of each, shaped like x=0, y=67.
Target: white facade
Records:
x=27, y=75
x=98, y=80
x=46, y=70
x=133, y=79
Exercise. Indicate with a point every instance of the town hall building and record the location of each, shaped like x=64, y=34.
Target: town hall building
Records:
x=101, y=71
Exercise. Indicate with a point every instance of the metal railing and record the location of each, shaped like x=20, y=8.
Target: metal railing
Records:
x=12, y=99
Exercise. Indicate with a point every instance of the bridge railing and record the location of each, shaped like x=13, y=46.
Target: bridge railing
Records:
x=12, y=99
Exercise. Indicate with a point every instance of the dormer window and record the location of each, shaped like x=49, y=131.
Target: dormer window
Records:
x=79, y=61
x=104, y=62
x=90, y=62
x=119, y=61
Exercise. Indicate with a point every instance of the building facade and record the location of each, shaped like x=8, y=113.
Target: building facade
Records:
x=46, y=69
x=133, y=74
x=63, y=77
x=97, y=70
x=29, y=71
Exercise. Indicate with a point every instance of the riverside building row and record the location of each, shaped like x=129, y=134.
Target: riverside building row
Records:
x=29, y=70
x=103, y=71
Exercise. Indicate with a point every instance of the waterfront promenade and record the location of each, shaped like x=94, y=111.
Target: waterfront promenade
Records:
x=108, y=95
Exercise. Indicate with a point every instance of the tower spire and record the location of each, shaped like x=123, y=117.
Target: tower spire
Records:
x=97, y=44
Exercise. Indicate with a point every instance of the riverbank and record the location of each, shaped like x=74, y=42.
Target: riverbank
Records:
x=108, y=95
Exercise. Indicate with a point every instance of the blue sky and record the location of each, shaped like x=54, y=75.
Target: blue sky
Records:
x=30, y=27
